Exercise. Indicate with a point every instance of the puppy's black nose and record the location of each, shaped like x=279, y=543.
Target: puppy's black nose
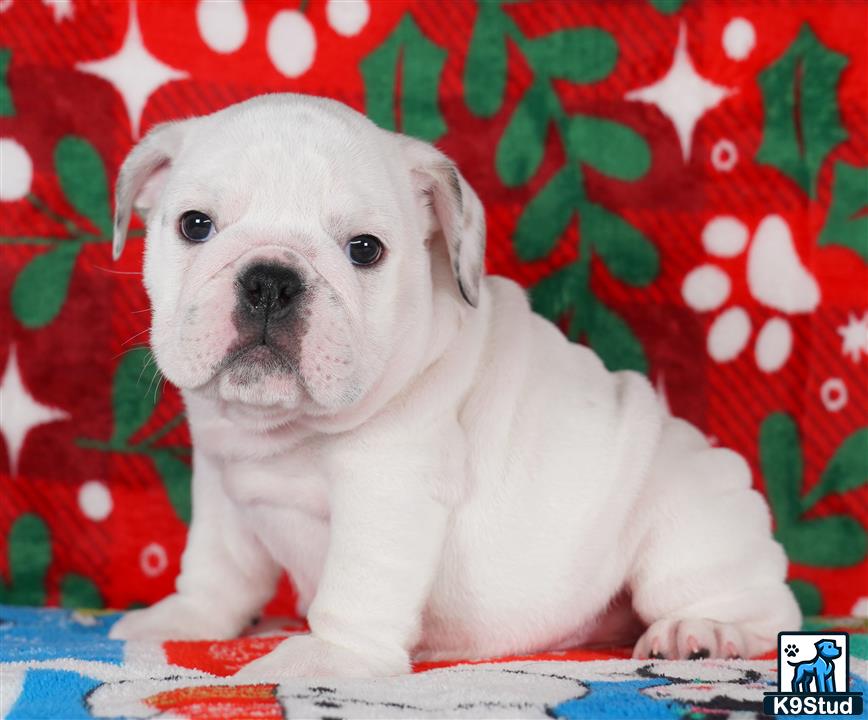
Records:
x=269, y=289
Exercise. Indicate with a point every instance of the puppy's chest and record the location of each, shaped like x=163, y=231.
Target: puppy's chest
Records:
x=293, y=483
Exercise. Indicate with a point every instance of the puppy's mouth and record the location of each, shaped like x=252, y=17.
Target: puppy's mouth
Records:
x=260, y=356
x=256, y=353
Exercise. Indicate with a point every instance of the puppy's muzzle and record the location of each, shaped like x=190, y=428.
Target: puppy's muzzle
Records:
x=269, y=317
x=268, y=292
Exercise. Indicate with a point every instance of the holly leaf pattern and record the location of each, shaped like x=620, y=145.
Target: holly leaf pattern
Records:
x=82, y=177
x=521, y=147
x=77, y=591
x=132, y=398
x=7, y=108
x=545, y=218
x=609, y=147
x=29, y=544
x=782, y=468
x=667, y=7
x=808, y=596
x=847, y=470
x=835, y=541
x=554, y=295
x=847, y=222
x=831, y=541
x=41, y=287
x=176, y=475
x=582, y=55
x=421, y=63
x=614, y=340
x=485, y=71
x=802, y=122
x=625, y=251
x=29, y=558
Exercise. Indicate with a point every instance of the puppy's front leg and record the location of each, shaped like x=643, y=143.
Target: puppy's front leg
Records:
x=226, y=574
x=385, y=542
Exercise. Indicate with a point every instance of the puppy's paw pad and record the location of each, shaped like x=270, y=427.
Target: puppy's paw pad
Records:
x=692, y=639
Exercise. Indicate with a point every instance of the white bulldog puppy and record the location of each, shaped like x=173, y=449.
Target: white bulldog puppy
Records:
x=440, y=471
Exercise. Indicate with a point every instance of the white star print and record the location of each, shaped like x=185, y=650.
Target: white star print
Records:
x=682, y=94
x=133, y=71
x=855, y=335
x=62, y=9
x=19, y=411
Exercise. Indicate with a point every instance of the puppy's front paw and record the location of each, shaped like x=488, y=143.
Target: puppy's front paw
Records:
x=695, y=639
x=309, y=656
x=175, y=618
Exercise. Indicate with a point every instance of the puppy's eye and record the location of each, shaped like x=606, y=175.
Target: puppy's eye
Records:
x=197, y=226
x=364, y=250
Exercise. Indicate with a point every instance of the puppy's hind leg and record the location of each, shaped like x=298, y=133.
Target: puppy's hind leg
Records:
x=708, y=577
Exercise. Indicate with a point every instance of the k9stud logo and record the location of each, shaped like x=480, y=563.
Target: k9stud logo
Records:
x=813, y=672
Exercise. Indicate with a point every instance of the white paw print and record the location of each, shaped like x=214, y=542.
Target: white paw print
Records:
x=776, y=279
x=291, y=40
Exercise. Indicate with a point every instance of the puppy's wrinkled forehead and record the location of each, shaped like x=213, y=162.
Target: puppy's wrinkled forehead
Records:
x=279, y=159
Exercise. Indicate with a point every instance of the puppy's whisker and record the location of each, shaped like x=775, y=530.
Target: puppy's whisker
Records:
x=158, y=385
x=158, y=390
x=148, y=361
x=116, y=272
x=138, y=334
x=129, y=350
x=154, y=377
x=147, y=364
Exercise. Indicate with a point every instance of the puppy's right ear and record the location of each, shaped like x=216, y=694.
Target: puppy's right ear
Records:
x=457, y=209
x=142, y=176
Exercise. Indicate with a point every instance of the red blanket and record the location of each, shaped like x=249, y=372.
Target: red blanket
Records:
x=681, y=184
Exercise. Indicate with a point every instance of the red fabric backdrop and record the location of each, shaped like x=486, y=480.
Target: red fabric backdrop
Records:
x=602, y=197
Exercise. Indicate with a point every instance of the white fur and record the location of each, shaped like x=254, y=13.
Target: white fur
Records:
x=439, y=480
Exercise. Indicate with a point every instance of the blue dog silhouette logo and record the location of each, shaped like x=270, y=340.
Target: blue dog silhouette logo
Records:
x=813, y=676
x=817, y=675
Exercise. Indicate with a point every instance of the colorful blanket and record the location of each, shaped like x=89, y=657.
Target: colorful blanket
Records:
x=681, y=184
x=60, y=664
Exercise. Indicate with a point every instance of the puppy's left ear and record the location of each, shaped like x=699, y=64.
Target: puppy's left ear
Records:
x=457, y=209
x=142, y=176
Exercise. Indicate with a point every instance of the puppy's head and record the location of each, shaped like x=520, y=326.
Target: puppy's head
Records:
x=828, y=649
x=295, y=252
